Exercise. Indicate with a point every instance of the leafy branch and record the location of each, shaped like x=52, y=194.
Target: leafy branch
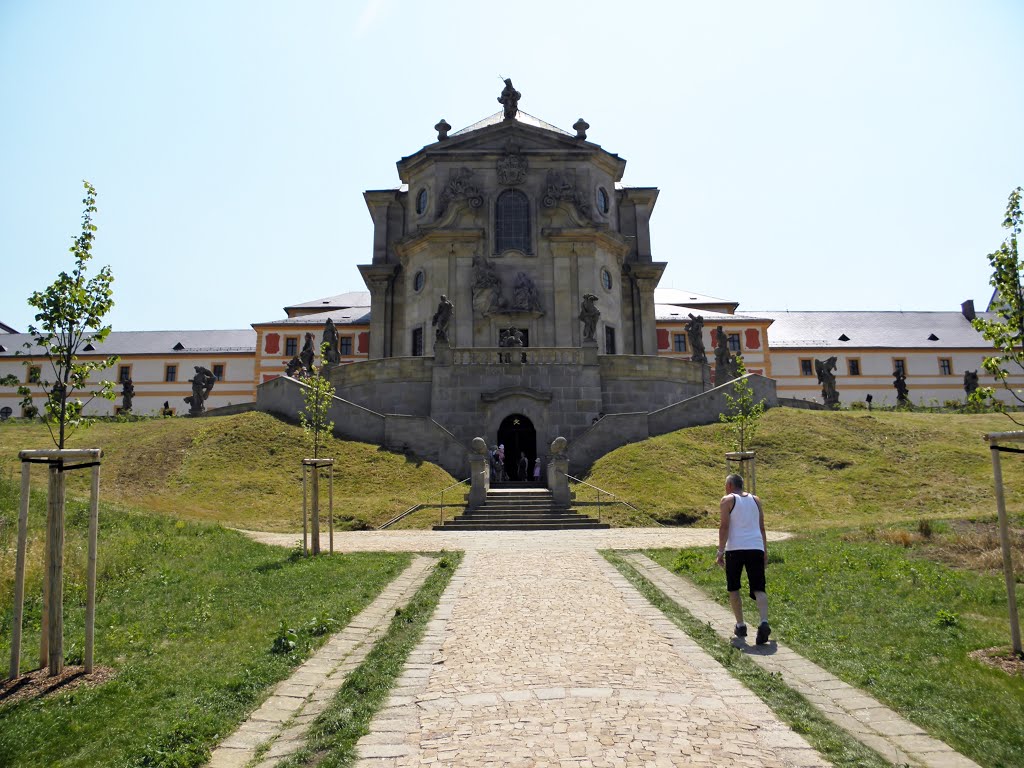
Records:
x=318, y=393
x=743, y=415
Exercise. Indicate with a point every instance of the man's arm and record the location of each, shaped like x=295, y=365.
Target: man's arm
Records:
x=724, y=511
x=760, y=521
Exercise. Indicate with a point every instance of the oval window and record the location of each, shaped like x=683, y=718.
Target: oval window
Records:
x=606, y=279
x=421, y=201
x=418, y=281
x=602, y=200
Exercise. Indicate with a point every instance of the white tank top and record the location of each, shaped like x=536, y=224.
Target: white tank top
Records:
x=744, y=524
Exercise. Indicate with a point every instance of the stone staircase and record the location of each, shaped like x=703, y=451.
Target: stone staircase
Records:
x=519, y=507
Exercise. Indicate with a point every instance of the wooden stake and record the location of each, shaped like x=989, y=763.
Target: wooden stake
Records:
x=1004, y=540
x=315, y=535
x=330, y=504
x=55, y=571
x=305, y=549
x=90, y=601
x=19, y=574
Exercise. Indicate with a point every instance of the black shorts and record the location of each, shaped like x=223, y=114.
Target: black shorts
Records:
x=753, y=561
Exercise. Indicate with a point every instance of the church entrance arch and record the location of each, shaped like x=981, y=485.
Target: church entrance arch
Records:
x=518, y=435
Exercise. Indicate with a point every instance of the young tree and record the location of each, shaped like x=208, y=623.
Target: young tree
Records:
x=743, y=414
x=317, y=393
x=70, y=315
x=1006, y=329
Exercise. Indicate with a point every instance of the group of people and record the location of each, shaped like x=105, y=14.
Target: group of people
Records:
x=499, y=469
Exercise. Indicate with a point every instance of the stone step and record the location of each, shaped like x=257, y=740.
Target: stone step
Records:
x=538, y=526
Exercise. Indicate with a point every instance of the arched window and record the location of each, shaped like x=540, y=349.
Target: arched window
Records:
x=512, y=222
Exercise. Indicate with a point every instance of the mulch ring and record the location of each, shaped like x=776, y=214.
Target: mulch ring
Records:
x=38, y=683
x=1001, y=657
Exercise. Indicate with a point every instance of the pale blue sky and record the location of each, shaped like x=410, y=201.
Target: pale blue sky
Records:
x=816, y=155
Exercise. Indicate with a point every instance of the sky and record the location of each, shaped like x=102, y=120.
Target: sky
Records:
x=809, y=155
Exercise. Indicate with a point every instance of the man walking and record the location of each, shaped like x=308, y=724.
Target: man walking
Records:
x=743, y=544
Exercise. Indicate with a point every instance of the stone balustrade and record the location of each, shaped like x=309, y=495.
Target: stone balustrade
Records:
x=518, y=356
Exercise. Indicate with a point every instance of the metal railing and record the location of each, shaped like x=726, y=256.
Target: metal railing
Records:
x=453, y=485
x=598, y=496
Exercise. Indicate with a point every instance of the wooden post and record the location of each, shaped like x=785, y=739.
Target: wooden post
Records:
x=19, y=574
x=305, y=549
x=1004, y=540
x=90, y=601
x=330, y=504
x=55, y=569
x=315, y=534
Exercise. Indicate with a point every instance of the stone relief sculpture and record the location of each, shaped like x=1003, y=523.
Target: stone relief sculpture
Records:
x=308, y=353
x=442, y=318
x=461, y=186
x=513, y=337
x=127, y=393
x=524, y=294
x=512, y=167
x=561, y=186
x=202, y=383
x=486, y=286
x=509, y=99
x=900, y=383
x=970, y=382
x=825, y=370
x=589, y=315
x=695, y=334
x=330, y=338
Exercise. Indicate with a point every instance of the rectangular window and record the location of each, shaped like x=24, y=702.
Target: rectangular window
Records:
x=899, y=366
x=946, y=366
x=170, y=373
x=609, y=340
x=679, y=342
x=417, y=342
x=124, y=373
x=345, y=345
x=291, y=346
x=218, y=371
x=734, y=342
x=853, y=367
x=35, y=372
x=806, y=367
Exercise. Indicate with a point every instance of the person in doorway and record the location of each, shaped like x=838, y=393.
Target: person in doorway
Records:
x=536, y=470
x=743, y=545
x=502, y=472
x=524, y=467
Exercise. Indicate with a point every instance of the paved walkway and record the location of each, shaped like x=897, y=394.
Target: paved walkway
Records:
x=278, y=728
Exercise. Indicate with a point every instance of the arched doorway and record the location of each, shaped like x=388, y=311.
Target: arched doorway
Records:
x=518, y=436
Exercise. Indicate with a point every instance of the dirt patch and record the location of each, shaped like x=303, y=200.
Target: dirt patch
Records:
x=37, y=684
x=1002, y=658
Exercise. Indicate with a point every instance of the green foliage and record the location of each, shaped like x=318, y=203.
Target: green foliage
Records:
x=286, y=641
x=317, y=393
x=743, y=414
x=1006, y=330
x=70, y=315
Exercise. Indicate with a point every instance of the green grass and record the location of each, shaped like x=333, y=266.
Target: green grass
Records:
x=839, y=747
x=899, y=627
x=243, y=471
x=820, y=469
x=187, y=614
x=332, y=738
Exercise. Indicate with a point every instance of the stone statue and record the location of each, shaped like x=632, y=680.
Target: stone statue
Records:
x=486, y=286
x=330, y=338
x=825, y=369
x=525, y=296
x=589, y=314
x=127, y=394
x=294, y=368
x=721, y=356
x=308, y=353
x=900, y=382
x=970, y=382
x=202, y=383
x=166, y=410
x=695, y=333
x=513, y=337
x=442, y=318
x=509, y=99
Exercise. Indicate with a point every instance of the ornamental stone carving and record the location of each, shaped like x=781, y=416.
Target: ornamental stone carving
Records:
x=512, y=167
x=561, y=187
x=487, y=287
x=461, y=186
x=525, y=296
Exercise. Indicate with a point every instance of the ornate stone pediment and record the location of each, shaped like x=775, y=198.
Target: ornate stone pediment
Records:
x=462, y=185
x=512, y=167
x=561, y=187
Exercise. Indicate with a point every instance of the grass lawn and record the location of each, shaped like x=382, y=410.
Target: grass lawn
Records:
x=187, y=614
x=243, y=471
x=897, y=625
x=819, y=469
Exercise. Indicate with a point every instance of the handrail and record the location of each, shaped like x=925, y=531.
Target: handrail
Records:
x=600, y=491
x=398, y=517
x=453, y=485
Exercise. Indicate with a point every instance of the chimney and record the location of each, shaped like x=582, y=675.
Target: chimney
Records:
x=968, y=309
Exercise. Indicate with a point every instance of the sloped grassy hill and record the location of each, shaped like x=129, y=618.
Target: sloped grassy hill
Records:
x=818, y=469
x=243, y=470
